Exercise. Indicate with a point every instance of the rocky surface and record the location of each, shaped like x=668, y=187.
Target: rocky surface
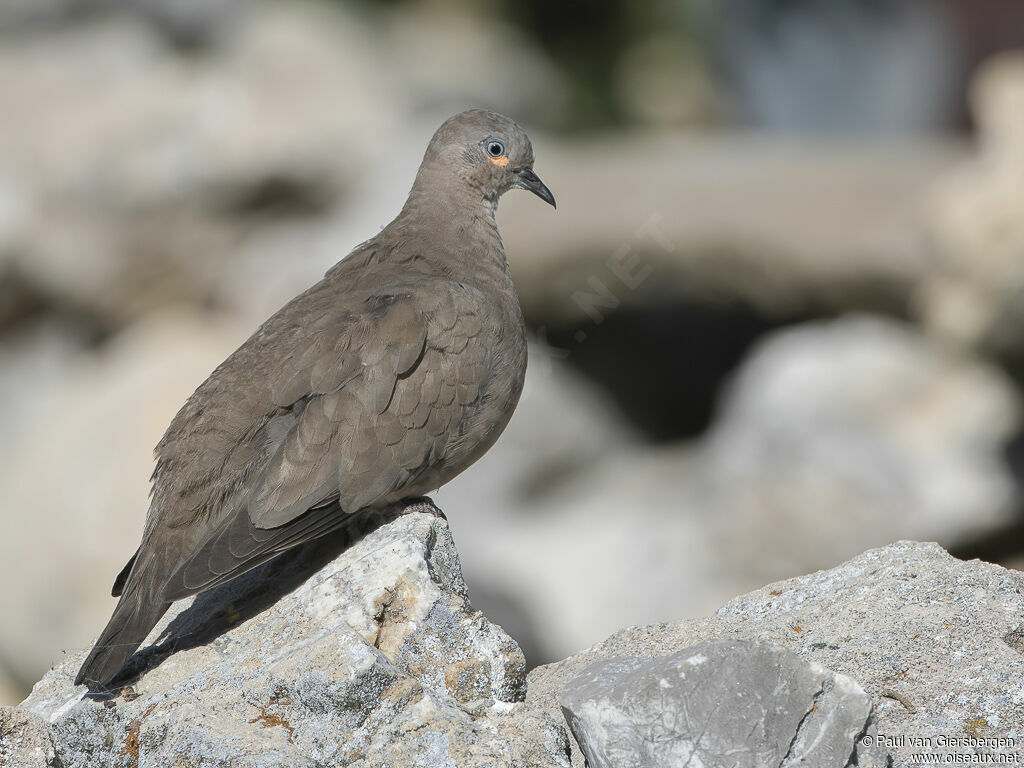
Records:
x=25, y=740
x=935, y=642
x=719, y=704
x=369, y=657
x=373, y=656
x=152, y=191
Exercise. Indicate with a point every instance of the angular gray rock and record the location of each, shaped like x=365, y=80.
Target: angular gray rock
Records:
x=718, y=704
x=935, y=642
x=369, y=657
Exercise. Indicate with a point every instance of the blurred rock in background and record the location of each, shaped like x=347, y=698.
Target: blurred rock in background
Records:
x=835, y=436
x=832, y=438
x=975, y=296
x=774, y=346
x=74, y=470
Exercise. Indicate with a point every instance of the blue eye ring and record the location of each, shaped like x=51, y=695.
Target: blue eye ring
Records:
x=494, y=148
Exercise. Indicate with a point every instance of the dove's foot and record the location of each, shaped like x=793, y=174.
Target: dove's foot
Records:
x=423, y=504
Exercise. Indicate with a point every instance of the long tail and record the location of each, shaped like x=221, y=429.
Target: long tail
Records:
x=135, y=615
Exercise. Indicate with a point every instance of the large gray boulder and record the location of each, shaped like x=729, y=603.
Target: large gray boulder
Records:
x=719, y=704
x=935, y=642
x=369, y=657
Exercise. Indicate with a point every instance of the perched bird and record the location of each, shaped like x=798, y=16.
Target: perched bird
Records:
x=380, y=383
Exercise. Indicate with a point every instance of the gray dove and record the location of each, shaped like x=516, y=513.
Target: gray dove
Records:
x=377, y=385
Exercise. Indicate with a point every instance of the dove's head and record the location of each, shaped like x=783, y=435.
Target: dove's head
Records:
x=483, y=152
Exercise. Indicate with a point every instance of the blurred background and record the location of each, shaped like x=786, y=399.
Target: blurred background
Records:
x=777, y=318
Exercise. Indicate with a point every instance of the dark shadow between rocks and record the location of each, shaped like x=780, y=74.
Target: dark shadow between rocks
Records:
x=664, y=365
x=214, y=612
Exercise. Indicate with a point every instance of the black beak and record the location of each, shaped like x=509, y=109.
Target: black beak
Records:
x=527, y=179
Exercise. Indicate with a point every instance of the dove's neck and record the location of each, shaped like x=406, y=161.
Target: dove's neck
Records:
x=453, y=226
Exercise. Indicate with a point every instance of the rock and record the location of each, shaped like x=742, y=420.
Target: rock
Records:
x=25, y=740
x=726, y=703
x=368, y=657
x=362, y=649
x=974, y=294
x=785, y=228
x=838, y=436
x=142, y=198
x=935, y=642
x=189, y=23
x=430, y=46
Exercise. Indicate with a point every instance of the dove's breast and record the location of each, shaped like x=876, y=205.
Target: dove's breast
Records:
x=471, y=377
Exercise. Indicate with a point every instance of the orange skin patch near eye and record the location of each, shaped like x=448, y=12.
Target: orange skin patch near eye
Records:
x=499, y=161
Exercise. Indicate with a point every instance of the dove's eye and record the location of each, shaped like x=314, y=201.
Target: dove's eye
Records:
x=495, y=148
